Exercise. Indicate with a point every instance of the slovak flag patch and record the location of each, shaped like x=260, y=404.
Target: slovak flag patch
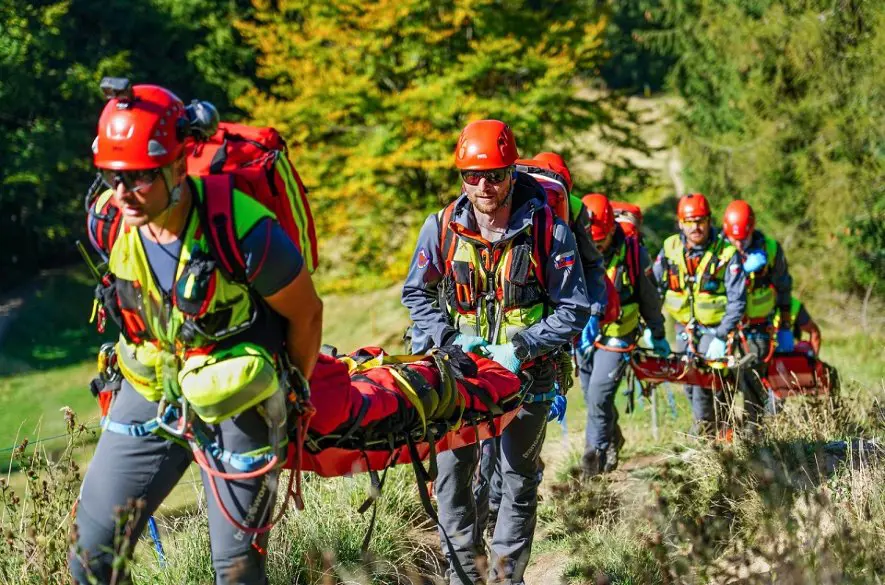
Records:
x=564, y=260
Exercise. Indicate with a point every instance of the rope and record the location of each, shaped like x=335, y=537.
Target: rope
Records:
x=45, y=439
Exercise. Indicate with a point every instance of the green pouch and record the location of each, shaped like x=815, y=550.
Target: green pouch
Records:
x=138, y=364
x=223, y=384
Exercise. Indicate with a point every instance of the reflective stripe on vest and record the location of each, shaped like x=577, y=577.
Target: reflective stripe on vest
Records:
x=704, y=293
x=495, y=299
x=761, y=296
x=618, y=272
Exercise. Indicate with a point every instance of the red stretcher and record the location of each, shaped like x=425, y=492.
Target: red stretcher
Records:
x=789, y=374
x=800, y=373
x=367, y=419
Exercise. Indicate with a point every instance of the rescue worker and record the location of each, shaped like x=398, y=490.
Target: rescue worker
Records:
x=705, y=292
x=769, y=291
x=487, y=488
x=628, y=266
x=513, y=288
x=172, y=299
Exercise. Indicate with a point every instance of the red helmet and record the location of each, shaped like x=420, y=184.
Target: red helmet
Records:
x=144, y=131
x=602, y=216
x=555, y=163
x=485, y=145
x=693, y=205
x=739, y=221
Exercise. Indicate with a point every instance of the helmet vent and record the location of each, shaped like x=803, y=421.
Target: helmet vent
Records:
x=156, y=149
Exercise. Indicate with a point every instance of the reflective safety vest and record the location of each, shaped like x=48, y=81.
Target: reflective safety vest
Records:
x=207, y=339
x=761, y=296
x=701, y=295
x=795, y=307
x=495, y=290
x=623, y=270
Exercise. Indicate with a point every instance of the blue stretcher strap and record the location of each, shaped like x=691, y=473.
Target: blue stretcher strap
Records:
x=545, y=397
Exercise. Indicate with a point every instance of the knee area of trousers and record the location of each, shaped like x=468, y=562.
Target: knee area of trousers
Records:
x=240, y=567
x=90, y=542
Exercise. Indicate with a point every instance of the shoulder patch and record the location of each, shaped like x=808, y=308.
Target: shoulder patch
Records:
x=423, y=259
x=564, y=260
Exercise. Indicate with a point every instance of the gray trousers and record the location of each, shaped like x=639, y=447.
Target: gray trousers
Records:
x=600, y=377
x=511, y=545
x=125, y=469
x=709, y=408
x=754, y=391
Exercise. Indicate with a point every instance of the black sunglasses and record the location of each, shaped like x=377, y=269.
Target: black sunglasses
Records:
x=494, y=176
x=134, y=181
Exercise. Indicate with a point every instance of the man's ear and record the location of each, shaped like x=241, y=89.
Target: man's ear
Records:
x=180, y=168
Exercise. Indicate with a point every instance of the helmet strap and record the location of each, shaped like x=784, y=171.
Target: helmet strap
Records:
x=173, y=190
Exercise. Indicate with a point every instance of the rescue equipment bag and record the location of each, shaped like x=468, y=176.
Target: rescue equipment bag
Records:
x=554, y=184
x=629, y=216
x=257, y=159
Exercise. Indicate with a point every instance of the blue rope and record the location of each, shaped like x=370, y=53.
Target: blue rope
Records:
x=158, y=544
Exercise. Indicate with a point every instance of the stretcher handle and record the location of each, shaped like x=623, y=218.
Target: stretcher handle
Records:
x=614, y=349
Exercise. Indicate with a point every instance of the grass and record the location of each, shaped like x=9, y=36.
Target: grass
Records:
x=682, y=513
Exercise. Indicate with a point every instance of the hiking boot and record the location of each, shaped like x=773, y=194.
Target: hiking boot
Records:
x=592, y=463
x=614, y=448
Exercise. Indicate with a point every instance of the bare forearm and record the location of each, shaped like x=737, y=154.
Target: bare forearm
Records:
x=303, y=343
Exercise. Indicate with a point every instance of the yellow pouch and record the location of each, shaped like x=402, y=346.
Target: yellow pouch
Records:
x=138, y=363
x=223, y=384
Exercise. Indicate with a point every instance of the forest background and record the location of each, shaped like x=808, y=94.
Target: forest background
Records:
x=777, y=101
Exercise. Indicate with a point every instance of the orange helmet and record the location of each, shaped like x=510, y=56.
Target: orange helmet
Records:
x=555, y=163
x=693, y=205
x=141, y=128
x=739, y=221
x=485, y=145
x=602, y=216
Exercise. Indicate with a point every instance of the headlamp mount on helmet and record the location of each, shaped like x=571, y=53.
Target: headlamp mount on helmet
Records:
x=117, y=88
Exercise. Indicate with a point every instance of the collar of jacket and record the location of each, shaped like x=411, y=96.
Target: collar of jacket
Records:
x=528, y=197
x=757, y=241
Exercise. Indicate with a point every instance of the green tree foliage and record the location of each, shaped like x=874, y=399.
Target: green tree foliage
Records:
x=52, y=56
x=633, y=65
x=373, y=93
x=785, y=107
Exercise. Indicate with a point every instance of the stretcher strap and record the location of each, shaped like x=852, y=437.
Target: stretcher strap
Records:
x=424, y=476
x=545, y=397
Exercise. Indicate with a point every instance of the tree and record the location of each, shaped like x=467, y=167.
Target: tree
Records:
x=785, y=107
x=52, y=56
x=373, y=93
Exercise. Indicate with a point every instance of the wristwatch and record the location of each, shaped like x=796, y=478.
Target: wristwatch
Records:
x=520, y=349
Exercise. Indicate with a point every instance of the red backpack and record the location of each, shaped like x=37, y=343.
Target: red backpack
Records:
x=629, y=216
x=554, y=184
x=251, y=159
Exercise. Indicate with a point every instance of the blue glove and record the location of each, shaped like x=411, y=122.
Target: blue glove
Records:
x=716, y=349
x=784, y=341
x=754, y=261
x=504, y=355
x=469, y=342
x=557, y=409
x=588, y=336
x=660, y=346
